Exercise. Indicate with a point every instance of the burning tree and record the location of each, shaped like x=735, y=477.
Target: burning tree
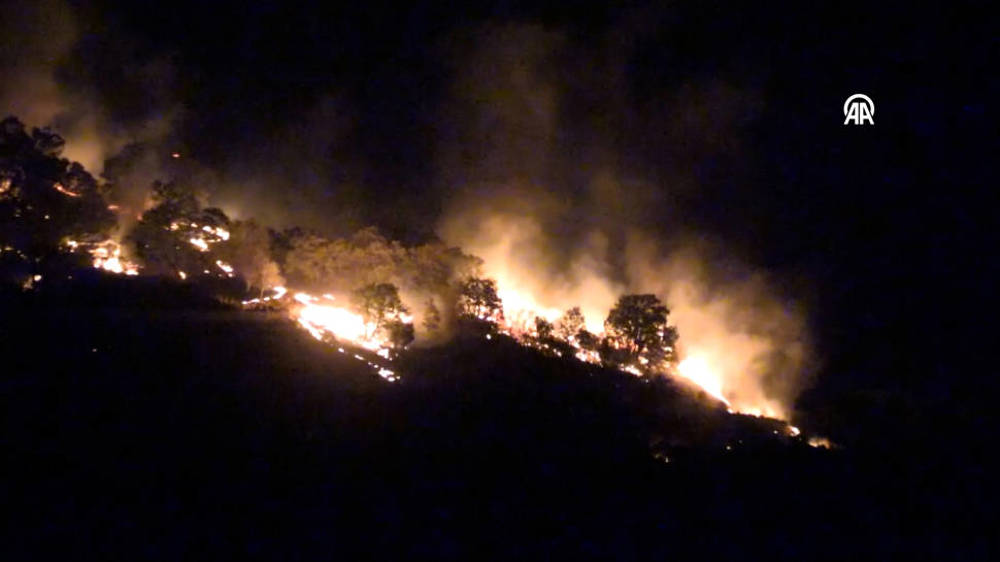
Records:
x=399, y=334
x=319, y=263
x=380, y=307
x=478, y=300
x=544, y=329
x=175, y=236
x=338, y=264
x=569, y=324
x=637, y=332
x=44, y=199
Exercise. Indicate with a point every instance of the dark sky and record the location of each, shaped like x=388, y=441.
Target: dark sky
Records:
x=722, y=119
x=733, y=107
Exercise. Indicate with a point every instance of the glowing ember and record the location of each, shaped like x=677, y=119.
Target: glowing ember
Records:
x=633, y=370
x=59, y=187
x=107, y=255
x=199, y=243
x=696, y=369
x=820, y=442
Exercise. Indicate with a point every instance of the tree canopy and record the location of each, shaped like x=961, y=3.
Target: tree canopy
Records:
x=569, y=324
x=45, y=200
x=637, y=327
x=378, y=304
x=478, y=299
x=174, y=236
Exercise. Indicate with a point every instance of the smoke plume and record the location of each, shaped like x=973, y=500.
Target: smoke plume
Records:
x=551, y=183
x=89, y=88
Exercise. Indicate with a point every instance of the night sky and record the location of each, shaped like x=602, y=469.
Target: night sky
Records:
x=720, y=121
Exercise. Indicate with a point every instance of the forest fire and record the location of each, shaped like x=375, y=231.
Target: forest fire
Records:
x=335, y=325
x=577, y=312
x=521, y=309
x=59, y=187
x=697, y=369
x=516, y=313
x=320, y=319
x=107, y=256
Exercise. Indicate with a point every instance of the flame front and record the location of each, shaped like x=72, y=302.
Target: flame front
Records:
x=339, y=322
x=521, y=309
x=697, y=369
x=322, y=318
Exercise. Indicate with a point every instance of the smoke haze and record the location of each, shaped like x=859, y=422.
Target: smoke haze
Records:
x=547, y=189
x=573, y=168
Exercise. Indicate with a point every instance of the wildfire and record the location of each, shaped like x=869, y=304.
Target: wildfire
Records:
x=107, y=255
x=59, y=187
x=326, y=321
x=520, y=310
x=330, y=323
x=697, y=369
x=319, y=319
x=199, y=243
x=205, y=235
x=820, y=442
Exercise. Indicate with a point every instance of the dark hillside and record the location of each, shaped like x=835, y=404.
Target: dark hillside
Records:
x=195, y=433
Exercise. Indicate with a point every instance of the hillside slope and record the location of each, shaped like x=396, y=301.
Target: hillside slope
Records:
x=200, y=432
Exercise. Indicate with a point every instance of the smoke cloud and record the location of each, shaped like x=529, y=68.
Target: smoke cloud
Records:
x=90, y=89
x=551, y=183
x=576, y=170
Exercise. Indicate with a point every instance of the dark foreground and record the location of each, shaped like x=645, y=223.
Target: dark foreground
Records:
x=187, y=432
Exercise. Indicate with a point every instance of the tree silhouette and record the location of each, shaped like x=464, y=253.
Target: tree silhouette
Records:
x=637, y=330
x=163, y=237
x=399, y=334
x=45, y=200
x=378, y=304
x=543, y=329
x=569, y=324
x=478, y=299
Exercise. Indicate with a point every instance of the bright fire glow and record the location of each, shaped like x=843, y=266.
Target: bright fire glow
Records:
x=698, y=370
x=820, y=442
x=339, y=322
x=107, y=255
x=59, y=187
x=520, y=309
x=325, y=322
